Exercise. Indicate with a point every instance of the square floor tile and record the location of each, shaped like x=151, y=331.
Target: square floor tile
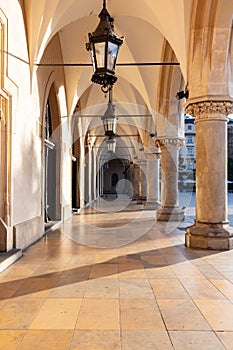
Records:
x=226, y=338
x=68, y=287
x=140, y=314
x=132, y=269
x=193, y=340
x=101, y=340
x=19, y=314
x=201, y=289
x=10, y=339
x=219, y=313
x=45, y=339
x=224, y=286
x=182, y=314
x=135, y=288
x=146, y=340
x=160, y=272
x=104, y=270
x=59, y=313
x=102, y=288
x=168, y=289
x=36, y=287
x=99, y=314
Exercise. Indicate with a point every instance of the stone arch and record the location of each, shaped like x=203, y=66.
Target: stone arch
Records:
x=208, y=73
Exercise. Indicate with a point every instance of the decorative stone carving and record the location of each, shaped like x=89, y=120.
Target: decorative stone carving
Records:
x=149, y=155
x=153, y=154
x=207, y=110
x=169, y=142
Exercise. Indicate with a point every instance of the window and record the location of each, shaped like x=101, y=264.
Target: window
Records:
x=190, y=127
x=189, y=139
x=190, y=151
x=190, y=166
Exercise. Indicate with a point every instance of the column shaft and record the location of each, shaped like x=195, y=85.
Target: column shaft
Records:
x=135, y=181
x=169, y=190
x=153, y=193
x=211, y=229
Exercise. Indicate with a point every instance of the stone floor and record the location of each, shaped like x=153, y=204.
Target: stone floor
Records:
x=113, y=278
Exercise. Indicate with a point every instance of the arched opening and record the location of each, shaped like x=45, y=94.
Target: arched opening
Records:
x=114, y=180
x=113, y=173
x=75, y=174
x=52, y=203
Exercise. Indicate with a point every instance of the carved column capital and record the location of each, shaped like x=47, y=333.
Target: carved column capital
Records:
x=170, y=142
x=210, y=110
x=149, y=155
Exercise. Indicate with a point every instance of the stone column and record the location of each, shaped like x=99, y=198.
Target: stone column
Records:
x=94, y=180
x=169, y=190
x=142, y=181
x=90, y=175
x=135, y=182
x=97, y=177
x=153, y=193
x=211, y=229
x=101, y=180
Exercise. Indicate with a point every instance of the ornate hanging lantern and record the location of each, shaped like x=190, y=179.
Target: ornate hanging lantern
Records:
x=104, y=46
x=109, y=118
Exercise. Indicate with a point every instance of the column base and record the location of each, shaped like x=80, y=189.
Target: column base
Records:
x=141, y=200
x=134, y=198
x=170, y=214
x=151, y=205
x=209, y=236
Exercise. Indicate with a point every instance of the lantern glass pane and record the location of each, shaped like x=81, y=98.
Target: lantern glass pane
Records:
x=100, y=54
x=93, y=59
x=112, y=55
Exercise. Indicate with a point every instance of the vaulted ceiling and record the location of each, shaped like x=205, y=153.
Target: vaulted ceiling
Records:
x=145, y=24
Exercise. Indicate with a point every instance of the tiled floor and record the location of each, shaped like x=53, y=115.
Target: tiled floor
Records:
x=150, y=293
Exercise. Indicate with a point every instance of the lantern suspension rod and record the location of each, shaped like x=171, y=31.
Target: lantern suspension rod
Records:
x=110, y=95
x=104, y=4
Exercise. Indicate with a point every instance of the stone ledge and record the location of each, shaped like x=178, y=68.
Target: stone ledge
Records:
x=8, y=258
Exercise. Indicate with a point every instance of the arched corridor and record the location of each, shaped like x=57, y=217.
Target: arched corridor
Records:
x=116, y=217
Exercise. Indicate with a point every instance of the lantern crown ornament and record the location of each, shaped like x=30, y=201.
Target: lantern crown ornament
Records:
x=104, y=45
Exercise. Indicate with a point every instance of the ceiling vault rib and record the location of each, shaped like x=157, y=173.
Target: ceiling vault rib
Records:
x=118, y=115
x=118, y=64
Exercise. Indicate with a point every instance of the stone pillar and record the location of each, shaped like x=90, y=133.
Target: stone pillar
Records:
x=97, y=177
x=142, y=181
x=101, y=176
x=153, y=192
x=169, y=190
x=90, y=175
x=211, y=229
x=94, y=180
x=135, y=182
